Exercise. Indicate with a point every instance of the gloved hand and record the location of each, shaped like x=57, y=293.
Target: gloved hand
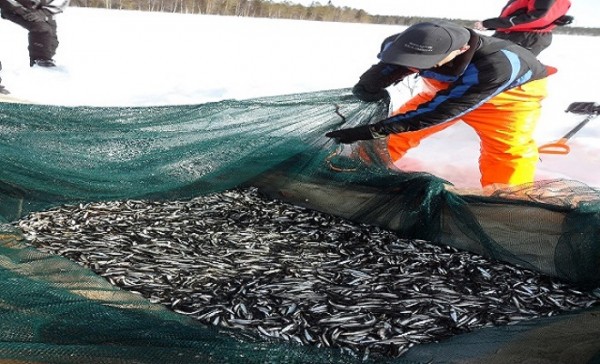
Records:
x=362, y=93
x=372, y=83
x=564, y=20
x=584, y=108
x=351, y=135
x=36, y=16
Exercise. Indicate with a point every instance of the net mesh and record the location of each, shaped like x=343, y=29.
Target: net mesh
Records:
x=55, y=311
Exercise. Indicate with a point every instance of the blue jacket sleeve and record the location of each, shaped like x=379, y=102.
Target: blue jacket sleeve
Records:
x=480, y=82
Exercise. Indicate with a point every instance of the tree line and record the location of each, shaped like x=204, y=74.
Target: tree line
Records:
x=285, y=10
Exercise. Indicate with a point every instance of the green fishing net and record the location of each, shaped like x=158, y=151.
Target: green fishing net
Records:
x=52, y=310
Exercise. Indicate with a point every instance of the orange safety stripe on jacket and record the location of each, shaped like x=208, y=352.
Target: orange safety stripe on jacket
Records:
x=505, y=125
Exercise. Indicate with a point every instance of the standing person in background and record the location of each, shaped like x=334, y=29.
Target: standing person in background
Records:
x=3, y=90
x=529, y=23
x=37, y=16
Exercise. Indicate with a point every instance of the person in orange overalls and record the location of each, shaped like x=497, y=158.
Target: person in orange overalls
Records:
x=491, y=84
x=529, y=23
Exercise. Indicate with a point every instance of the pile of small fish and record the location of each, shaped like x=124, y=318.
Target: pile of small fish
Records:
x=238, y=260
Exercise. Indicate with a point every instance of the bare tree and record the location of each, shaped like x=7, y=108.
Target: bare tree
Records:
x=268, y=9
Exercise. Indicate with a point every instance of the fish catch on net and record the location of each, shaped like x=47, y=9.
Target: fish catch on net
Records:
x=238, y=260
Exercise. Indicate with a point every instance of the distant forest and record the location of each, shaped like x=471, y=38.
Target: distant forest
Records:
x=286, y=10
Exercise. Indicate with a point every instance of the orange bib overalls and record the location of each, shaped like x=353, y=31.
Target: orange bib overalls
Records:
x=504, y=124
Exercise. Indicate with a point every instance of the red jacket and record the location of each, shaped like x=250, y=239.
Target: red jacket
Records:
x=528, y=16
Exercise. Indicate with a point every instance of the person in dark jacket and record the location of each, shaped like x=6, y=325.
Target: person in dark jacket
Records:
x=37, y=16
x=3, y=90
x=493, y=85
x=529, y=23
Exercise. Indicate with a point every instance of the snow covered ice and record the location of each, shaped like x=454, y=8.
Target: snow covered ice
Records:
x=130, y=58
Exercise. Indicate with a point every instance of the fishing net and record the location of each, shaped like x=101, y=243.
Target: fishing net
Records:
x=57, y=311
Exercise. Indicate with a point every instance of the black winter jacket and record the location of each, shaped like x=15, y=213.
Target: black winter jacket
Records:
x=489, y=67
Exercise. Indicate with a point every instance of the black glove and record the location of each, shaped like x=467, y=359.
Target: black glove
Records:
x=564, y=20
x=363, y=94
x=372, y=83
x=584, y=108
x=351, y=135
x=35, y=16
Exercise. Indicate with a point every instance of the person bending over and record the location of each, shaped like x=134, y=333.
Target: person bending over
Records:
x=491, y=84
